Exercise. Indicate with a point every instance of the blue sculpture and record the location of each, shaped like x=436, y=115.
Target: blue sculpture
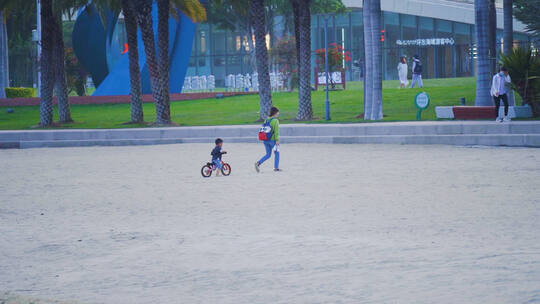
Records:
x=99, y=52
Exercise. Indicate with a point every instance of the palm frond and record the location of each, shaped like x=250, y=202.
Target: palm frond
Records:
x=193, y=9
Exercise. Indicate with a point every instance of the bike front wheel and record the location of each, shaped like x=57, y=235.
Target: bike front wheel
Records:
x=206, y=171
x=226, y=169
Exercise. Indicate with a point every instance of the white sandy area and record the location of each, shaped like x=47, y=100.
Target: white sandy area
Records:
x=341, y=224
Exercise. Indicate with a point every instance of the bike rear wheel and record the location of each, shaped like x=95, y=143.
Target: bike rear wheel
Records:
x=226, y=169
x=206, y=171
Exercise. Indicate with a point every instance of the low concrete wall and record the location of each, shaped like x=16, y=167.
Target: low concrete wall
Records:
x=447, y=112
x=523, y=133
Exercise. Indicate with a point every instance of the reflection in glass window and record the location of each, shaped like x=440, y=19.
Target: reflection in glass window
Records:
x=202, y=49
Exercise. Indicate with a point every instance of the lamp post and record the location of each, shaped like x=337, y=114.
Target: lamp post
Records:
x=327, y=74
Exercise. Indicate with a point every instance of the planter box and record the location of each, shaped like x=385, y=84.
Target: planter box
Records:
x=473, y=112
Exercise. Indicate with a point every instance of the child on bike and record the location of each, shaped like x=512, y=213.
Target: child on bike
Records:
x=216, y=153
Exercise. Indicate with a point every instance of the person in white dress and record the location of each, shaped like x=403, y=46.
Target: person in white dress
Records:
x=402, y=73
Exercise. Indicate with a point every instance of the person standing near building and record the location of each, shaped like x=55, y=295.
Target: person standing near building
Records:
x=417, y=72
x=403, y=71
x=499, y=88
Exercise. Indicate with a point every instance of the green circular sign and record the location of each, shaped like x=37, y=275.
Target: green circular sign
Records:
x=421, y=100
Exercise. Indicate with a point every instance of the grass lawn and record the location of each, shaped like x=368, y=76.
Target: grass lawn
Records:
x=345, y=106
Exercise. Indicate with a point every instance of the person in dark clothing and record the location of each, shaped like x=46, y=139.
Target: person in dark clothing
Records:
x=216, y=153
x=416, y=72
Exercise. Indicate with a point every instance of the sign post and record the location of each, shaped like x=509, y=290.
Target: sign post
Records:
x=421, y=101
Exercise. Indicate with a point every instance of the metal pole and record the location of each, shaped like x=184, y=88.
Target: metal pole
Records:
x=327, y=101
x=38, y=12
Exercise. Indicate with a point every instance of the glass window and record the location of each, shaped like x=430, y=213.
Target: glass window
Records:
x=219, y=42
x=391, y=18
x=409, y=27
x=357, y=31
x=444, y=26
x=426, y=27
x=462, y=38
x=391, y=29
x=192, y=62
x=234, y=64
x=444, y=52
x=462, y=33
x=391, y=52
x=408, y=20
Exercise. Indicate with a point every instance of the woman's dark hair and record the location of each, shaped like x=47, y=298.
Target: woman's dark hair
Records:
x=403, y=60
x=504, y=69
x=218, y=141
x=273, y=111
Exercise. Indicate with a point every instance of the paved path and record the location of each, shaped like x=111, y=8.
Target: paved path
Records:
x=342, y=224
x=519, y=133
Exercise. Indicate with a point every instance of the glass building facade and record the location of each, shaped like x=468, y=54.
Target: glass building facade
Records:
x=446, y=48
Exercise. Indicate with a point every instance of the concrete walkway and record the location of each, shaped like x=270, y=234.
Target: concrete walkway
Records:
x=486, y=133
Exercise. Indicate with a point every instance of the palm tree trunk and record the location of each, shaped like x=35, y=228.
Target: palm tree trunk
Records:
x=60, y=84
x=483, y=75
x=305, y=109
x=47, y=72
x=256, y=8
x=508, y=38
x=376, y=103
x=164, y=11
x=492, y=36
x=4, y=57
x=144, y=19
x=137, y=115
x=296, y=22
x=508, y=27
x=368, y=59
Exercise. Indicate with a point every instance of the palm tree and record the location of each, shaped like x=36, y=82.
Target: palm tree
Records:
x=135, y=86
x=368, y=56
x=194, y=10
x=508, y=27
x=259, y=27
x=492, y=36
x=58, y=62
x=376, y=103
x=164, y=10
x=143, y=10
x=47, y=71
x=483, y=75
x=47, y=45
x=4, y=57
x=371, y=13
x=158, y=62
x=305, y=109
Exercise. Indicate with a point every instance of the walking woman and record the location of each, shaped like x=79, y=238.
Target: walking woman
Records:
x=402, y=72
x=273, y=143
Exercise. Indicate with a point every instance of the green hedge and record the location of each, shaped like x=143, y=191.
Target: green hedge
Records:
x=19, y=92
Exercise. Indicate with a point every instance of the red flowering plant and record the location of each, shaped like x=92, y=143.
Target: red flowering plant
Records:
x=337, y=56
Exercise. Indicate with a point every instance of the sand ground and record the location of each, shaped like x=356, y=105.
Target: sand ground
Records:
x=341, y=224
